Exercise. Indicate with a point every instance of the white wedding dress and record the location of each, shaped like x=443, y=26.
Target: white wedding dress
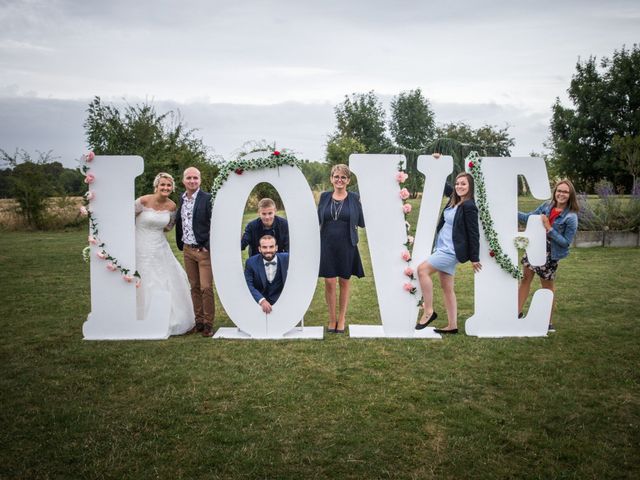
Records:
x=159, y=269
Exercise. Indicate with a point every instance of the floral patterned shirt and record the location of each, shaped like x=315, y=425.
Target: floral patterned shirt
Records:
x=188, y=237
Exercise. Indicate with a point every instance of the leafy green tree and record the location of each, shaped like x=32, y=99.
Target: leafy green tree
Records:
x=606, y=102
x=362, y=117
x=412, y=122
x=162, y=140
x=628, y=150
x=340, y=147
x=30, y=184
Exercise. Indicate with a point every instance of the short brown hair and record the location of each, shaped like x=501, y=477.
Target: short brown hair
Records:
x=266, y=203
x=341, y=168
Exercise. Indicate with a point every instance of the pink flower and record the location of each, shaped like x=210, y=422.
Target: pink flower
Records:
x=127, y=278
x=90, y=195
x=101, y=254
x=138, y=283
x=404, y=194
x=89, y=178
x=276, y=153
x=406, y=208
x=408, y=272
x=409, y=239
x=406, y=256
x=401, y=177
x=84, y=211
x=111, y=267
x=89, y=156
x=92, y=240
x=408, y=287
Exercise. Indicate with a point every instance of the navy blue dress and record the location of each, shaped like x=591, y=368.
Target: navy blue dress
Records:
x=338, y=257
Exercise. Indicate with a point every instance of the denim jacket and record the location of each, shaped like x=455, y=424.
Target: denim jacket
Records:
x=562, y=232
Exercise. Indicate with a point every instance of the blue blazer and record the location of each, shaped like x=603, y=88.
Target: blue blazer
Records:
x=201, y=220
x=356, y=217
x=254, y=230
x=256, y=277
x=466, y=233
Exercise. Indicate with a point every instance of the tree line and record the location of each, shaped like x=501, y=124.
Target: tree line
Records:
x=596, y=138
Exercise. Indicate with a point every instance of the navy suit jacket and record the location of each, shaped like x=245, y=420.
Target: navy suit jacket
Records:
x=201, y=220
x=356, y=217
x=466, y=234
x=254, y=231
x=256, y=276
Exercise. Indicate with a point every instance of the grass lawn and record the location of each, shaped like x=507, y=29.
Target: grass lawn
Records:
x=566, y=406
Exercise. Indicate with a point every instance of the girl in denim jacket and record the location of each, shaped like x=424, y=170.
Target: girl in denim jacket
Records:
x=560, y=219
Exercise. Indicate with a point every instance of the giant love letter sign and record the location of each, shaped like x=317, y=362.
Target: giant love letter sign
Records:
x=113, y=307
x=304, y=259
x=495, y=290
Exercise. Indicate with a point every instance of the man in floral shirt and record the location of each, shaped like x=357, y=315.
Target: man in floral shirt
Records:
x=193, y=223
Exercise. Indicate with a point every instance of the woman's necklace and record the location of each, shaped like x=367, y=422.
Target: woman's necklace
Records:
x=336, y=208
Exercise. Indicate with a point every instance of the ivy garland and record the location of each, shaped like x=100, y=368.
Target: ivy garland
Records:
x=274, y=160
x=102, y=253
x=474, y=162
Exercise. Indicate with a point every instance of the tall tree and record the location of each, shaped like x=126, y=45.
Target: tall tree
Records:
x=362, y=118
x=412, y=122
x=606, y=102
x=163, y=140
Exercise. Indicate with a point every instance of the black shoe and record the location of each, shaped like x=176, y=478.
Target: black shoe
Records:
x=452, y=331
x=337, y=330
x=520, y=315
x=420, y=326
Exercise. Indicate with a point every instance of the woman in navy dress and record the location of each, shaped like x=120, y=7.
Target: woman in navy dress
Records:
x=458, y=241
x=340, y=215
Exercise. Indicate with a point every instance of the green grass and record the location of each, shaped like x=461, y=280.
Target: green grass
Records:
x=566, y=406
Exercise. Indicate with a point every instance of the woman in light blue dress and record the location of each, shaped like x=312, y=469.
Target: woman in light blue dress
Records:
x=458, y=241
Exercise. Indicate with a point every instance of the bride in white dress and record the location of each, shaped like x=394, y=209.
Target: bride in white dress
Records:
x=156, y=263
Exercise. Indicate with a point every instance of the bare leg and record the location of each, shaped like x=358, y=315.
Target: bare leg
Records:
x=344, y=302
x=550, y=284
x=330, y=297
x=450, y=302
x=425, y=270
x=525, y=287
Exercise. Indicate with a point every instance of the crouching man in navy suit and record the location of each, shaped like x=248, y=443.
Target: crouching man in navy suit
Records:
x=266, y=273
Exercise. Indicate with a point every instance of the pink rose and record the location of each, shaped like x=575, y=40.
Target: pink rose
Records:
x=408, y=272
x=127, y=278
x=92, y=240
x=401, y=177
x=89, y=156
x=89, y=178
x=409, y=239
x=90, y=195
x=406, y=208
x=409, y=287
x=138, y=283
x=111, y=267
x=406, y=256
x=404, y=194
x=101, y=254
x=84, y=211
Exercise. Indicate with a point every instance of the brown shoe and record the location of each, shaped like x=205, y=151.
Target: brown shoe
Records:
x=196, y=328
x=207, y=331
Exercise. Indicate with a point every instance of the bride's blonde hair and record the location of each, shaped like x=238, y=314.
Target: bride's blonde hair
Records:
x=161, y=175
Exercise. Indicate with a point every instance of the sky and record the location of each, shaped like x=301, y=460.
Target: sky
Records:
x=274, y=70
